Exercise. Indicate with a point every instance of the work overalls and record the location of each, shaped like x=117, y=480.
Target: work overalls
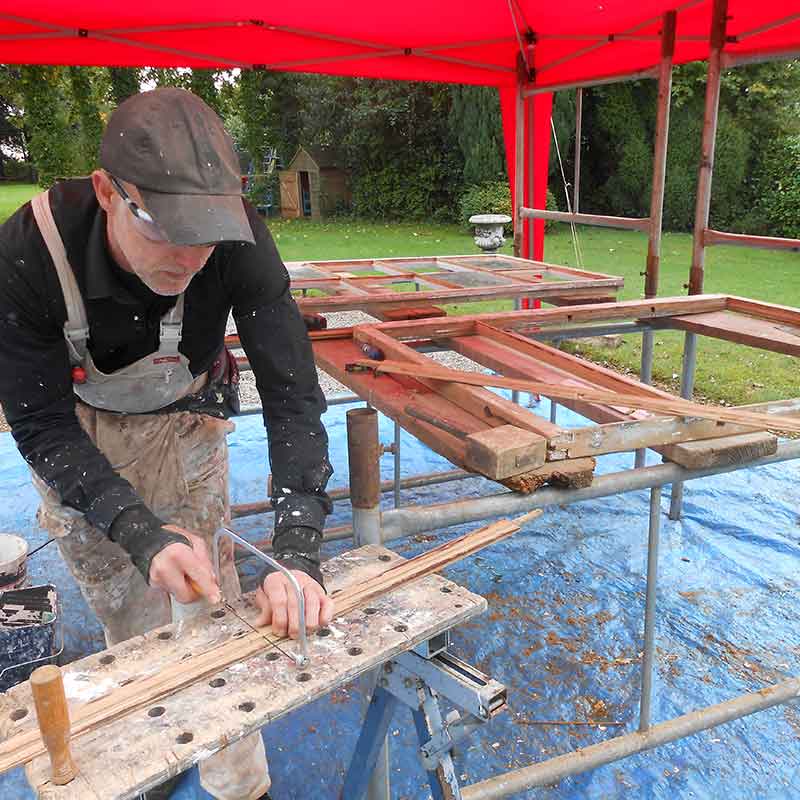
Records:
x=178, y=464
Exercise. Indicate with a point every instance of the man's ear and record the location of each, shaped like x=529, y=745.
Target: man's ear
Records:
x=103, y=189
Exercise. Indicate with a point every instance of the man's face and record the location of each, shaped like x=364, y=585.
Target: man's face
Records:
x=163, y=267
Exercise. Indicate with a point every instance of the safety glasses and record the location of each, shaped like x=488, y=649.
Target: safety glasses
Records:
x=142, y=221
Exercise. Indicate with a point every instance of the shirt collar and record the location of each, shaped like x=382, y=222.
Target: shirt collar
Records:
x=101, y=278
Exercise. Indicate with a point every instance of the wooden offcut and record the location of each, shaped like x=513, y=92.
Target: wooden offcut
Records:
x=575, y=474
x=739, y=449
x=505, y=451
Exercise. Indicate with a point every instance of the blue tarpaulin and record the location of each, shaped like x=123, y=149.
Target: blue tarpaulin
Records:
x=563, y=631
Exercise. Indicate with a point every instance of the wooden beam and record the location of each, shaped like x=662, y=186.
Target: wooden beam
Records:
x=712, y=237
x=778, y=337
x=653, y=308
x=505, y=451
x=480, y=402
x=676, y=406
x=738, y=449
x=762, y=310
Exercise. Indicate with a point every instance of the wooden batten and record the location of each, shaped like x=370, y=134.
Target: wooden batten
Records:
x=505, y=451
x=739, y=449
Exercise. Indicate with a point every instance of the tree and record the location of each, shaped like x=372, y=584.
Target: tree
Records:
x=91, y=126
x=124, y=83
x=477, y=125
x=47, y=121
x=202, y=82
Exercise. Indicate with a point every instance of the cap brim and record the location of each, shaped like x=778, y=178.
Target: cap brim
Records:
x=193, y=219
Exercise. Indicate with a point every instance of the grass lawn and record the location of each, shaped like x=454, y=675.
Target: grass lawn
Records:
x=13, y=195
x=727, y=372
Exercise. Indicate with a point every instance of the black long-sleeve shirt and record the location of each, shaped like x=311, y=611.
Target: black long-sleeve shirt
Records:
x=36, y=376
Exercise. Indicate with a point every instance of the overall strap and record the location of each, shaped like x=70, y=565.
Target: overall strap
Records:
x=171, y=329
x=76, y=328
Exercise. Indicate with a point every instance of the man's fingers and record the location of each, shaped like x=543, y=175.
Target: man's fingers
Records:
x=265, y=615
x=276, y=594
x=202, y=583
x=171, y=578
x=311, y=597
x=294, y=611
x=326, y=611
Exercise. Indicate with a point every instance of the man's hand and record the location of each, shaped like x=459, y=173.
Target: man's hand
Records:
x=185, y=572
x=278, y=603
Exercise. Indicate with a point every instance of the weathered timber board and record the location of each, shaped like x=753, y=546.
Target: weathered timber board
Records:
x=764, y=334
x=439, y=279
x=738, y=449
x=124, y=758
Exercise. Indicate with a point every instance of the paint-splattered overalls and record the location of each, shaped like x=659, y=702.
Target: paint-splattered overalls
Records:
x=178, y=464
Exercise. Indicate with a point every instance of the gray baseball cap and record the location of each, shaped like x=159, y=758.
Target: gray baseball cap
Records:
x=174, y=149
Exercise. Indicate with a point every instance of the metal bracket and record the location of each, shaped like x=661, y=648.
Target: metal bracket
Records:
x=417, y=681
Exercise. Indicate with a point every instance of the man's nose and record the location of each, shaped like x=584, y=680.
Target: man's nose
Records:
x=191, y=258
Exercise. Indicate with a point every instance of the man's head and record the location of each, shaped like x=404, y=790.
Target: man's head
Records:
x=171, y=187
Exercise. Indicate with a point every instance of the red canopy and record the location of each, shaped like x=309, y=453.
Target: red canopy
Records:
x=471, y=41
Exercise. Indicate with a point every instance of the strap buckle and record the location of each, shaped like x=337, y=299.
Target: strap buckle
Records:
x=171, y=331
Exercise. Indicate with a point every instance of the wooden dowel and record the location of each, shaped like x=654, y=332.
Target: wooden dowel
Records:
x=52, y=714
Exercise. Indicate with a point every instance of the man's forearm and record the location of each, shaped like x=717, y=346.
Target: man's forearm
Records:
x=60, y=452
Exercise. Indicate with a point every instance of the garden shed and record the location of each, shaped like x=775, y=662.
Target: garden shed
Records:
x=313, y=185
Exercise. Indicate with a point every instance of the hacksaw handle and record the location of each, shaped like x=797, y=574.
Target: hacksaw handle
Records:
x=52, y=713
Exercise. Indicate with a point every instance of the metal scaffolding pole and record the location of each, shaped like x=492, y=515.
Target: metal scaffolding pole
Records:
x=409, y=520
x=687, y=389
x=396, y=456
x=364, y=453
x=650, y=609
x=511, y=784
x=657, y=192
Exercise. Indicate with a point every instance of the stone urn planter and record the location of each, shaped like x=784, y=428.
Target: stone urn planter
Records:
x=489, y=231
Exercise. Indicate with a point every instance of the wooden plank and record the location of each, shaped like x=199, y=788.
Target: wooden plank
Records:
x=676, y=406
x=594, y=374
x=778, y=337
x=414, y=312
x=479, y=402
x=505, y=451
x=758, y=308
x=520, y=365
x=122, y=701
x=737, y=449
x=653, y=308
x=391, y=398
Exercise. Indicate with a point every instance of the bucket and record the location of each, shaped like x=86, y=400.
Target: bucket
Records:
x=13, y=562
x=28, y=620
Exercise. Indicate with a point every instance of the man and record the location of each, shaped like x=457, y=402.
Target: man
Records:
x=116, y=290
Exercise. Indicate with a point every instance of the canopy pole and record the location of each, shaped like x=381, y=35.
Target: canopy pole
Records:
x=706, y=171
x=531, y=176
x=660, y=154
x=657, y=193
x=519, y=170
x=576, y=187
